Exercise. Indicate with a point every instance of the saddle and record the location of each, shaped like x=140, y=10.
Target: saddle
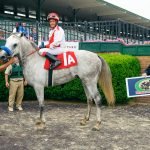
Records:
x=67, y=59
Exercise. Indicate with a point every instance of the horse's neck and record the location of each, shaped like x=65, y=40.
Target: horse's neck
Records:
x=29, y=55
x=32, y=66
x=31, y=60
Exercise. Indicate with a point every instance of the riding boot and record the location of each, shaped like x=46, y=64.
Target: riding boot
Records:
x=55, y=62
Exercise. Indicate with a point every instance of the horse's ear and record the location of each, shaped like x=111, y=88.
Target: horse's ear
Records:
x=21, y=35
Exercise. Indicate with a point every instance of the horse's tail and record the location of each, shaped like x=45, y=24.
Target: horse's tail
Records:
x=105, y=82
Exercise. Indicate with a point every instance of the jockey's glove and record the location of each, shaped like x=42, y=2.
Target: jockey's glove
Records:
x=42, y=45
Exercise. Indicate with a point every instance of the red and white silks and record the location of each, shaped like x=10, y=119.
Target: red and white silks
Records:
x=56, y=40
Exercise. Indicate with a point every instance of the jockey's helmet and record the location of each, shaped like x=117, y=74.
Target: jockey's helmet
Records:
x=53, y=15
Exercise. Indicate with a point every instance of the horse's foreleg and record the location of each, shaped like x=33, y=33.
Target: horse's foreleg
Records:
x=41, y=112
x=39, y=90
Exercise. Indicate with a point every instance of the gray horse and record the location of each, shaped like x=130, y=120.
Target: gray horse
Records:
x=91, y=69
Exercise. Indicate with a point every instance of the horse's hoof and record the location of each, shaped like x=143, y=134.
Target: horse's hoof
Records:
x=96, y=127
x=40, y=124
x=83, y=122
x=39, y=120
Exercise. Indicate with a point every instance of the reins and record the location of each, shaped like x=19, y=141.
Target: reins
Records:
x=33, y=52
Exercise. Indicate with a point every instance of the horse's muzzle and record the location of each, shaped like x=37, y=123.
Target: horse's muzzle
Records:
x=3, y=56
x=4, y=59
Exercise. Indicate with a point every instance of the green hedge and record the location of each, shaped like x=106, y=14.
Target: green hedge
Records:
x=122, y=66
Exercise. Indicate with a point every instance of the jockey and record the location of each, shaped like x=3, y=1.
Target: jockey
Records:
x=56, y=39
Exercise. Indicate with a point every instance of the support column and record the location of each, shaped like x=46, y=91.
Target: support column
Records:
x=38, y=18
x=63, y=18
x=27, y=12
x=99, y=18
x=2, y=7
x=75, y=11
x=38, y=10
x=15, y=10
x=119, y=28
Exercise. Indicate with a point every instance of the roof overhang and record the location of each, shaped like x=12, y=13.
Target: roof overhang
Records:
x=88, y=10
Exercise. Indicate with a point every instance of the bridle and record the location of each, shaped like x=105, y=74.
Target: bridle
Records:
x=33, y=52
x=8, y=51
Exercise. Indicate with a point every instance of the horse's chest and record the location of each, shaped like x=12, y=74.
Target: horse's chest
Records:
x=29, y=75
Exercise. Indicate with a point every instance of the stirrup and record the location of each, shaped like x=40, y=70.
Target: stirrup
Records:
x=55, y=64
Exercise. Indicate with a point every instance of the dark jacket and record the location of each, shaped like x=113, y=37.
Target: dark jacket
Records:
x=147, y=70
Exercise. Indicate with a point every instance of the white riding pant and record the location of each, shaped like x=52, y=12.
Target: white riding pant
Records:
x=55, y=51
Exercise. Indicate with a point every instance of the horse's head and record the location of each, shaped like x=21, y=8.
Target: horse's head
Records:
x=12, y=46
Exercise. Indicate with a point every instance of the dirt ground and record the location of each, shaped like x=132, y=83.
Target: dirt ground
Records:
x=122, y=128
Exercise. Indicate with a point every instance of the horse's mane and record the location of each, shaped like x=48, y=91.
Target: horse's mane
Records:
x=15, y=34
x=34, y=45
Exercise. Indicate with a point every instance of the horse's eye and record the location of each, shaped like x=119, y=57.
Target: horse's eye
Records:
x=15, y=45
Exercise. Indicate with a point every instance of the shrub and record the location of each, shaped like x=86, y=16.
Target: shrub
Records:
x=121, y=66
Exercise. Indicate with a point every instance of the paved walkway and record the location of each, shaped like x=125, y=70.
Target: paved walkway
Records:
x=123, y=128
